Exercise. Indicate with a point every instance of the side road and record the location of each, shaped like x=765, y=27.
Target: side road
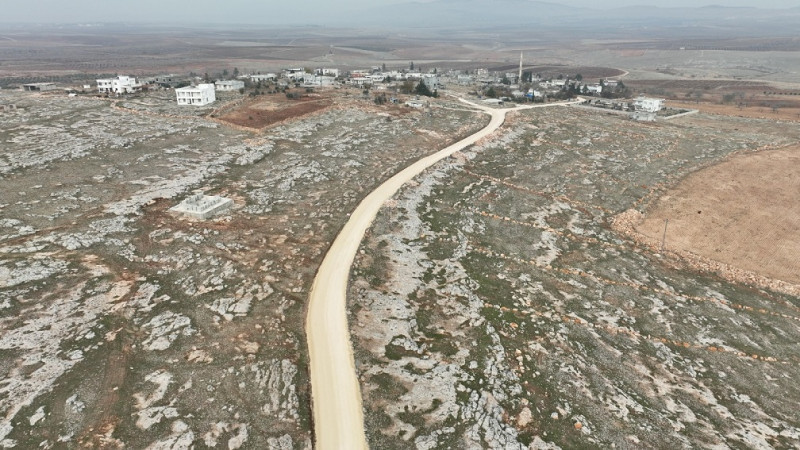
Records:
x=336, y=395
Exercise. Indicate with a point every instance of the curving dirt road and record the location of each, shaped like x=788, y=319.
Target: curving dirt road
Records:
x=336, y=395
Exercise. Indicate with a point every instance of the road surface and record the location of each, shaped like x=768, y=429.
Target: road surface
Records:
x=336, y=395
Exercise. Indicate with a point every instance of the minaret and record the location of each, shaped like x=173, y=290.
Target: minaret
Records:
x=519, y=80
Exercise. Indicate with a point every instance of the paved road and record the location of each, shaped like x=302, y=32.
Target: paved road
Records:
x=336, y=395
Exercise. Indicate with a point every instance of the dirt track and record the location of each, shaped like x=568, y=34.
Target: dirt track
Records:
x=744, y=212
x=336, y=395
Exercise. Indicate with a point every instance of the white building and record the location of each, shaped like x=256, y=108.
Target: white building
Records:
x=647, y=104
x=432, y=82
x=318, y=80
x=328, y=71
x=202, y=94
x=264, y=77
x=594, y=89
x=229, y=85
x=295, y=74
x=119, y=85
x=202, y=207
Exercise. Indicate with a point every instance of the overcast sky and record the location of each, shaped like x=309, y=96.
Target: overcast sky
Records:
x=254, y=11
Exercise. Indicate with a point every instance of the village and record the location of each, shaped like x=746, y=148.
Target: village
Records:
x=491, y=87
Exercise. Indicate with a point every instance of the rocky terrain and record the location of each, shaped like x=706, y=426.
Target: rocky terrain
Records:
x=493, y=305
x=123, y=325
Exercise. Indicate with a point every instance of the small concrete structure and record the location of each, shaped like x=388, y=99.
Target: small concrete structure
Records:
x=229, y=85
x=36, y=87
x=648, y=104
x=199, y=206
x=200, y=95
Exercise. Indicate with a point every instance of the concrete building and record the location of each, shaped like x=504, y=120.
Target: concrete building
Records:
x=432, y=82
x=318, y=80
x=594, y=89
x=202, y=207
x=328, y=71
x=297, y=73
x=39, y=87
x=647, y=104
x=119, y=85
x=229, y=85
x=264, y=77
x=200, y=95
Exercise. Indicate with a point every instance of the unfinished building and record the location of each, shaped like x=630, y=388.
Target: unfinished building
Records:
x=39, y=87
x=199, y=206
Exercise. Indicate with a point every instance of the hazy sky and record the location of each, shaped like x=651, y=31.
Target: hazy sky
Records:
x=268, y=11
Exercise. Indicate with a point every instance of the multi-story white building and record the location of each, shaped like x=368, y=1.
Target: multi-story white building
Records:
x=647, y=104
x=328, y=71
x=119, y=85
x=432, y=82
x=229, y=85
x=202, y=94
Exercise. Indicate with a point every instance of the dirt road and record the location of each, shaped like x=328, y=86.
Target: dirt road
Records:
x=336, y=395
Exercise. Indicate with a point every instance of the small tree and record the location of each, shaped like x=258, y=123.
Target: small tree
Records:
x=411, y=66
x=491, y=92
x=579, y=77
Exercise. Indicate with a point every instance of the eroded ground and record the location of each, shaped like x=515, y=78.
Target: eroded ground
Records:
x=124, y=325
x=493, y=306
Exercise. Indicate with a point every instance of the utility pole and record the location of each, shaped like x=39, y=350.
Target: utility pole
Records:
x=664, y=237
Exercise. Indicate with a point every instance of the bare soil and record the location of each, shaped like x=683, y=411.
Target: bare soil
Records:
x=274, y=108
x=744, y=212
x=790, y=113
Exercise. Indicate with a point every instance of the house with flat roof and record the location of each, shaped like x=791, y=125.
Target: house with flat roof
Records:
x=36, y=87
x=229, y=85
x=647, y=104
x=200, y=95
x=118, y=85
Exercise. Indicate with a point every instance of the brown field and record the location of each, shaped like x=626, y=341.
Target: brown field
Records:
x=743, y=212
x=274, y=108
x=789, y=112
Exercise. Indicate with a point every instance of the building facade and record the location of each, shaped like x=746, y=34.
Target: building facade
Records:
x=229, y=85
x=647, y=104
x=200, y=95
x=119, y=85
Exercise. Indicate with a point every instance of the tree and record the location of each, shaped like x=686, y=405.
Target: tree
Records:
x=225, y=73
x=579, y=77
x=411, y=66
x=505, y=80
x=491, y=92
x=235, y=72
x=383, y=67
x=422, y=89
